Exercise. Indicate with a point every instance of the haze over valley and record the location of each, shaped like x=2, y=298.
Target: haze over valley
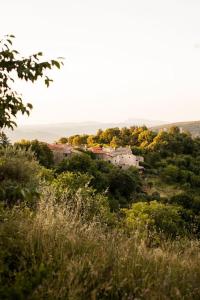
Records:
x=52, y=132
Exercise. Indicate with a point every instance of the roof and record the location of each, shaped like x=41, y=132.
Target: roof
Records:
x=114, y=152
x=97, y=150
x=60, y=148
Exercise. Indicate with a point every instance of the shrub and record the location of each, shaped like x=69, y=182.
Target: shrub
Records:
x=120, y=184
x=183, y=199
x=163, y=218
x=195, y=181
x=19, y=176
x=72, y=190
x=70, y=182
x=171, y=174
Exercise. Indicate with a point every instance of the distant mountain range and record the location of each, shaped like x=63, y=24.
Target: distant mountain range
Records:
x=52, y=132
x=193, y=127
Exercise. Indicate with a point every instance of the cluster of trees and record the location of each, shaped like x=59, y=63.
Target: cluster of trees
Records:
x=172, y=141
x=121, y=186
x=113, y=137
x=182, y=169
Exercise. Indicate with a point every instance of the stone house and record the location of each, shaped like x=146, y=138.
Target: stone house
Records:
x=60, y=151
x=121, y=156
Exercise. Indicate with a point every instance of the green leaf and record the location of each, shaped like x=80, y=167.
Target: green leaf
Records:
x=55, y=63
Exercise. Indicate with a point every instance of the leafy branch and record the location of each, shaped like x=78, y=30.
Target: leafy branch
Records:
x=13, y=65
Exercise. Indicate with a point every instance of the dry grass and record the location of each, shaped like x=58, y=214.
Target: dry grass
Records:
x=54, y=254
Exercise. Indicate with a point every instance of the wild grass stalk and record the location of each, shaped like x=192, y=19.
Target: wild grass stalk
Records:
x=54, y=253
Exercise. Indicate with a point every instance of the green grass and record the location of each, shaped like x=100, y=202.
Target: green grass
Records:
x=164, y=189
x=54, y=254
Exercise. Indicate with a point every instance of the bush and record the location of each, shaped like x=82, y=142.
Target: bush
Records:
x=20, y=175
x=191, y=212
x=183, y=199
x=69, y=182
x=171, y=174
x=72, y=190
x=120, y=184
x=195, y=181
x=163, y=218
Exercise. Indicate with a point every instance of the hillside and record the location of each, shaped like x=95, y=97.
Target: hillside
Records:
x=86, y=228
x=193, y=127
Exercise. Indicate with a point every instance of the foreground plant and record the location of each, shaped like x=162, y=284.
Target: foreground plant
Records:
x=55, y=253
x=13, y=65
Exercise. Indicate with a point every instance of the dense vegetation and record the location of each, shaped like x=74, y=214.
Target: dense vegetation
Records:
x=193, y=127
x=86, y=229
x=57, y=253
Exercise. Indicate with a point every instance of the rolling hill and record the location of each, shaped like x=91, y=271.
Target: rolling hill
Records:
x=192, y=126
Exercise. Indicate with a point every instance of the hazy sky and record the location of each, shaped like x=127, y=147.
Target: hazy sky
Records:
x=123, y=58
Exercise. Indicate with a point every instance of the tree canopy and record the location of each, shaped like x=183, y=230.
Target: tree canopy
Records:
x=42, y=152
x=14, y=66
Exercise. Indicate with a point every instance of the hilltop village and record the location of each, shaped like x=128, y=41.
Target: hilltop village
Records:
x=121, y=156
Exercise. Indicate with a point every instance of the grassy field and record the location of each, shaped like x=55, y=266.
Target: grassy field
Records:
x=54, y=254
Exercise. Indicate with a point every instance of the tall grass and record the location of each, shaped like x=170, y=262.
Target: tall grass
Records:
x=54, y=253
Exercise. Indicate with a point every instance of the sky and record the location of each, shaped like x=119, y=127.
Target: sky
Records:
x=124, y=59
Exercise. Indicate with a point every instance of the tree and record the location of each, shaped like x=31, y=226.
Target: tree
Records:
x=146, y=137
x=42, y=152
x=171, y=173
x=20, y=175
x=108, y=134
x=80, y=140
x=91, y=140
x=116, y=142
x=123, y=183
x=12, y=66
x=4, y=141
x=63, y=140
x=125, y=136
x=174, y=130
x=77, y=163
